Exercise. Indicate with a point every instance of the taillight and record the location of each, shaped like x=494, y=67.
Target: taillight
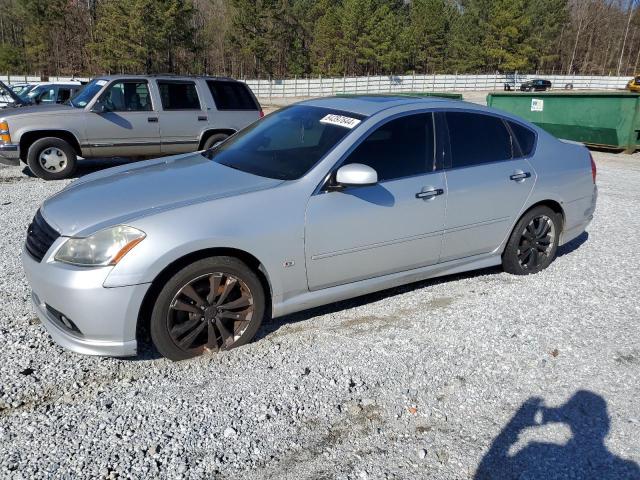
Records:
x=261, y=113
x=594, y=170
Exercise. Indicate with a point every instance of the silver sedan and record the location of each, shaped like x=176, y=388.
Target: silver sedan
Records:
x=318, y=202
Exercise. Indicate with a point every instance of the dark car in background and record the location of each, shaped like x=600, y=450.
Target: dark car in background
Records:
x=536, y=85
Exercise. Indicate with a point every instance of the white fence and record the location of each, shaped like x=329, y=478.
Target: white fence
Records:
x=36, y=78
x=322, y=87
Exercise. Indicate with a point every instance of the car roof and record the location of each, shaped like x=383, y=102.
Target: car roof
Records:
x=162, y=76
x=368, y=105
x=72, y=83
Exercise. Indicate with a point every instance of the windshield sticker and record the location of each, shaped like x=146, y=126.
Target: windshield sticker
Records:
x=102, y=83
x=340, y=120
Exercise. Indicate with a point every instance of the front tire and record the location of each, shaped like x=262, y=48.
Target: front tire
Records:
x=214, y=304
x=52, y=158
x=533, y=243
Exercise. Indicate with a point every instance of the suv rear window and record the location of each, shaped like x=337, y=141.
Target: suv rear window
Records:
x=526, y=138
x=231, y=95
x=176, y=95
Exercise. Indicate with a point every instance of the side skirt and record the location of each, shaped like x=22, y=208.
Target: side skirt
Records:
x=306, y=300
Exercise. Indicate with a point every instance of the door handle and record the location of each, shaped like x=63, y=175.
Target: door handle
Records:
x=202, y=118
x=152, y=119
x=520, y=176
x=429, y=194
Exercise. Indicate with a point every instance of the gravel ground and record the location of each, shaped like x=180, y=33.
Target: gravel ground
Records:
x=441, y=379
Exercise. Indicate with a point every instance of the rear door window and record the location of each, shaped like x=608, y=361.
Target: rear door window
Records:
x=231, y=95
x=525, y=137
x=178, y=95
x=477, y=138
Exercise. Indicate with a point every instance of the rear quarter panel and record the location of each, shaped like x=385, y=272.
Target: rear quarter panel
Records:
x=231, y=119
x=564, y=175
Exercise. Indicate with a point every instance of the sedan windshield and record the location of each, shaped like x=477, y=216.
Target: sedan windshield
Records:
x=286, y=144
x=84, y=96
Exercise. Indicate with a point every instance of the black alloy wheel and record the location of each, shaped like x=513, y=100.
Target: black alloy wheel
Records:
x=533, y=243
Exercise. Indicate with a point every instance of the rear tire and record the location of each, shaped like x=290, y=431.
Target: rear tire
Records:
x=213, y=139
x=533, y=243
x=52, y=158
x=214, y=304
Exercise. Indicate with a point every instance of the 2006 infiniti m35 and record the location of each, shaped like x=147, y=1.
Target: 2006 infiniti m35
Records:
x=321, y=201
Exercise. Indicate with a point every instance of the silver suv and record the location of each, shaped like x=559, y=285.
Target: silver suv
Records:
x=126, y=116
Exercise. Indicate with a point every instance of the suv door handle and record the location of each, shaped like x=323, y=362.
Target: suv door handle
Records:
x=152, y=119
x=520, y=176
x=429, y=194
x=202, y=118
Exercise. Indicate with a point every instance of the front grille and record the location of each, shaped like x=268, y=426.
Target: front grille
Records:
x=40, y=237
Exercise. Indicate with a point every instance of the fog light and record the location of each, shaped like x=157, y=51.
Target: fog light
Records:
x=66, y=322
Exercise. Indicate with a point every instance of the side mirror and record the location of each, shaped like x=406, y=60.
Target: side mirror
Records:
x=99, y=107
x=356, y=174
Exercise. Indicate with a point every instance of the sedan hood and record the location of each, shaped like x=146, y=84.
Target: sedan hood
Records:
x=122, y=194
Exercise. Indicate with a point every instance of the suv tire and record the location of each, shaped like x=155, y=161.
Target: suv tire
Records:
x=52, y=158
x=214, y=304
x=213, y=139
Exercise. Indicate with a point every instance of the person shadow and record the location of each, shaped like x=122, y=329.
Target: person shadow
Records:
x=584, y=456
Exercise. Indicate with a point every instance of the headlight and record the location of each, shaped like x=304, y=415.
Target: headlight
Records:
x=106, y=247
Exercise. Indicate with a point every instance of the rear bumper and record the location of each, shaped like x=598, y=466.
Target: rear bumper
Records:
x=583, y=210
x=79, y=313
x=9, y=154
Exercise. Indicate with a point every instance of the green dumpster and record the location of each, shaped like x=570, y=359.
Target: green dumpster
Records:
x=602, y=119
x=452, y=96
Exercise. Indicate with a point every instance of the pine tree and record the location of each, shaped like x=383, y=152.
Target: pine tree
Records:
x=432, y=25
x=327, y=35
x=42, y=20
x=143, y=35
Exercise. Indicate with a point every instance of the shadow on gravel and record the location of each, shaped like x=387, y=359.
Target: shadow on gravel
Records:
x=583, y=456
x=275, y=324
x=573, y=245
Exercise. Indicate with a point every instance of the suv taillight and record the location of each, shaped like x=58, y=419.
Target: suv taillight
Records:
x=594, y=170
x=261, y=113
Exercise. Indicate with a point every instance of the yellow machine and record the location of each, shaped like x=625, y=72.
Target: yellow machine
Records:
x=634, y=84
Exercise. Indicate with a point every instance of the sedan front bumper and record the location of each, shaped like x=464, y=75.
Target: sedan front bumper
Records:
x=78, y=312
x=9, y=154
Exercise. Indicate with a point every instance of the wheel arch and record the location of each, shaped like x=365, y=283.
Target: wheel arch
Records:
x=552, y=204
x=144, y=314
x=214, y=131
x=28, y=138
